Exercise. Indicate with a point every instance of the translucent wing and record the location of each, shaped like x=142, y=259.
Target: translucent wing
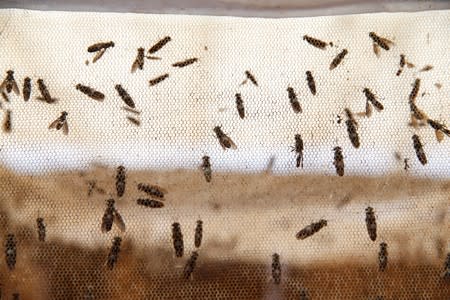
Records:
x=376, y=49
x=222, y=144
x=439, y=135
x=15, y=87
x=153, y=57
x=65, y=128
x=135, y=66
x=233, y=145
x=229, y=141
x=53, y=124
x=118, y=220
x=3, y=85
x=4, y=95
x=368, y=109
x=386, y=41
x=161, y=189
x=98, y=55
x=49, y=101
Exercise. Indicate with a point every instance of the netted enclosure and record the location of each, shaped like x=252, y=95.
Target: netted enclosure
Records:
x=195, y=157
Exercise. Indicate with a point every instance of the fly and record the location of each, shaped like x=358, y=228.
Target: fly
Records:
x=92, y=93
x=315, y=42
x=338, y=59
x=61, y=122
x=158, y=79
x=139, y=61
x=10, y=84
x=185, y=63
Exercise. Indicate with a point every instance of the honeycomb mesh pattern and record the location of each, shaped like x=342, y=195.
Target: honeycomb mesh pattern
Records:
x=257, y=200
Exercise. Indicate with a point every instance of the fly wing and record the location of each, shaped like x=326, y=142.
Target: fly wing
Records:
x=98, y=55
x=135, y=66
x=47, y=100
x=368, y=109
x=222, y=144
x=3, y=85
x=386, y=41
x=376, y=49
x=15, y=87
x=233, y=145
x=4, y=95
x=439, y=135
x=54, y=124
x=65, y=128
x=446, y=131
x=118, y=220
x=163, y=190
x=153, y=57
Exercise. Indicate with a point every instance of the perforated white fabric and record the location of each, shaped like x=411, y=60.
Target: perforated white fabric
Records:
x=249, y=211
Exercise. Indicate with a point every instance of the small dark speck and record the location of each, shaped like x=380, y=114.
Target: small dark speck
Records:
x=206, y=48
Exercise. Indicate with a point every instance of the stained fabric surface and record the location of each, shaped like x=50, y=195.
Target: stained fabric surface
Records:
x=258, y=199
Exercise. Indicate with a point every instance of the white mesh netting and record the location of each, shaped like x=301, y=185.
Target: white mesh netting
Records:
x=249, y=210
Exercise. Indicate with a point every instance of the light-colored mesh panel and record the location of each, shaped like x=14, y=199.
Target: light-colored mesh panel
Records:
x=249, y=210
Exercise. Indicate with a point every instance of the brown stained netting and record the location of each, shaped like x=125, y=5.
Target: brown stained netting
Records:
x=248, y=211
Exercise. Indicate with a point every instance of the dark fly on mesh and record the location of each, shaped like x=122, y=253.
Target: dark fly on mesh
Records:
x=311, y=229
x=311, y=82
x=315, y=42
x=295, y=104
x=177, y=238
x=338, y=59
x=26, y=88
x=224, y=140
x=157, y=46
x=158, y=79
x=190, y=265
x=139, y=61
x=126, y=98
x=111, y=216
x=9, y=83
x=198, y=234
x=240, y=105
x=61, y=122
x=113, y=255
x=92, y=93
x=45, y=94
x=120, y=180
x=298, y=148
x=184, y=63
